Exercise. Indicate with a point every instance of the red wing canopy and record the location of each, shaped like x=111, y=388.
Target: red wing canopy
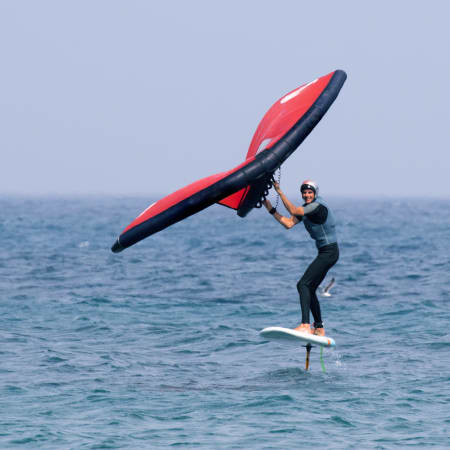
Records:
x=177, y=197
x=277, y=121
x=172, y=200
x=283, y=128
x=285, y=113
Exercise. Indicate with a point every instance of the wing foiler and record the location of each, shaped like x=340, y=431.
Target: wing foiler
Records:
x=283, y=128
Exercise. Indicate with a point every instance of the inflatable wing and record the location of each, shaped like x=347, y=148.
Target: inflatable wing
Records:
x=284, y=127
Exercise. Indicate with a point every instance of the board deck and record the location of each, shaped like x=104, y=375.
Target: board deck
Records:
x=288, y=334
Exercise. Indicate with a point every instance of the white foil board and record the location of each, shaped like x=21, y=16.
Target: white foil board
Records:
x=288, y=334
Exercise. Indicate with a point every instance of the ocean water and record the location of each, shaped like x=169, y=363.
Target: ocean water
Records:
x=158, y=346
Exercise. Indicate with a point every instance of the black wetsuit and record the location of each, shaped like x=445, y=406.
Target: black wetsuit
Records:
x=320, y=223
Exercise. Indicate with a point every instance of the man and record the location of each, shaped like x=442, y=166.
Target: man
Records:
x=320, y=224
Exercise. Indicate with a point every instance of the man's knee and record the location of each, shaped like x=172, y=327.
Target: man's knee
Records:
x=302, y=285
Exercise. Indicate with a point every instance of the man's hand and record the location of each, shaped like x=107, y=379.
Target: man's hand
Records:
x=277, y=188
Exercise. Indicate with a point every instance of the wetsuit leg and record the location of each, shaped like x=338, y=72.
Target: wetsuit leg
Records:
x=311, y=280
x=315, y=309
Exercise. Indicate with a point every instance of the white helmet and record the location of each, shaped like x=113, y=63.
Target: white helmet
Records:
x=310, y=184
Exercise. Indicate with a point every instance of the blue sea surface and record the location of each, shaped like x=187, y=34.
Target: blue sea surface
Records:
x=158, y=346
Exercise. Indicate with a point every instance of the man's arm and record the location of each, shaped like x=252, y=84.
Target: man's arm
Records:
x=294, y=210
x=287, y=222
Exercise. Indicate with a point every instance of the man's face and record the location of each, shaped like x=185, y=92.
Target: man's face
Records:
x=308, y=195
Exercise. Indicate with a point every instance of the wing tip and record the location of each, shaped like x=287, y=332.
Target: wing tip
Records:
x=117, y=247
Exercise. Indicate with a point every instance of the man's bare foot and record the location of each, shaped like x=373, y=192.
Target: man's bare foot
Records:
x=319, y=331
x=304, y=328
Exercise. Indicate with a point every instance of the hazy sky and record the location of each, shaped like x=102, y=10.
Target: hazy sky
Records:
x=143, y=97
